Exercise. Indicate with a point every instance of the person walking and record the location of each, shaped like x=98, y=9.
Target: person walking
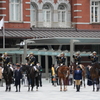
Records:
x=39, y=67
x=53, y=75
x=77, y=78
x=89, y=80
x=18, y=77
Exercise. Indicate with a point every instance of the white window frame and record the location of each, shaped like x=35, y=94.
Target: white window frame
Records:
x=14, y=12
x=33, y=13
x=93, y=20
x=45, y=14
x=60, y=15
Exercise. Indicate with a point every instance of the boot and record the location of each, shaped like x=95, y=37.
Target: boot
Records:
x=9, y=88
x=19, y=88
x=16, y=89
x=77, y=88
x=6, y=88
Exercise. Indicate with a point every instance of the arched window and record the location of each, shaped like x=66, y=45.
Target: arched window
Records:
x=61, y=13
x=47, y=13
x=15, y=10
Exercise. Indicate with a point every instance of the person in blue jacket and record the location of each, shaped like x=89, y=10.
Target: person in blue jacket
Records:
x=77, y=78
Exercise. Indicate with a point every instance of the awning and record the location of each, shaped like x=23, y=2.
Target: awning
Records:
x=64, y=41
x=50, y=32
x=42, y=52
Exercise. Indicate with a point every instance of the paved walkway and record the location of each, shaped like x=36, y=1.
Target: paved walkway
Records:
x=49, y=92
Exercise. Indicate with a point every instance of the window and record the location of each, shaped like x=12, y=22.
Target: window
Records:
x=61, y=13
x=47, y=13
x=95, y=11
x=33, y=13
x=15, y=10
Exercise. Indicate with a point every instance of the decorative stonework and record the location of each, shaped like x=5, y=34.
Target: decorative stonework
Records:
x=2, y=8
x=77, y=16
x=55, y=1
x=64, y=1
x=77, y=10
x=54, y=4
x=78, y=4
x=2, y=1
x=40, y=1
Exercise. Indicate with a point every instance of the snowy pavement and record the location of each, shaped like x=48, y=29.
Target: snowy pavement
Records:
x=49, y=92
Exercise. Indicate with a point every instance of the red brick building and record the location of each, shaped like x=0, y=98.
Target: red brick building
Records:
x=24, y=19
x=85, y=14
x=81, y=13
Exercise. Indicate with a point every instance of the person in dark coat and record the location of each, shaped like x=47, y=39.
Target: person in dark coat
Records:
x=39, y=67
x=31, y=60
x=77, y=58
x=61, y=59
x=89, y=80
x=93, y=57
x=5, y=59
x=18, y=77
x=77, y=78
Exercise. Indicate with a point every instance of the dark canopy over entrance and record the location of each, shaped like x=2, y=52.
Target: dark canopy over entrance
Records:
x=61, y=41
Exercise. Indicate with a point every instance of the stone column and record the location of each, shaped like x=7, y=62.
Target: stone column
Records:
x=14, y=58
x=25, y=51
x=55, y=22
x=18, y=58
x=72, y=44
x=40, y=18
x=39, y=59
x=71, y=50
x=23, y=58
x=53, y=60
x=46, y=67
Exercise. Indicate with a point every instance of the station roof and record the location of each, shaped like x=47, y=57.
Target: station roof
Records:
x=50, y=33
x=54, y=35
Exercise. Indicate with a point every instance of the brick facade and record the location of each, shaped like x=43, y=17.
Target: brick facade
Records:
x=84, y=11
x=80, y=14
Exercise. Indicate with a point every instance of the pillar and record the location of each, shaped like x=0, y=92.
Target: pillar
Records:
x=39, y=59
x=46, y=67
x=14, y=58
x=71, y=50
x=25, y=51
x=53, y=60
x=18, y=58
x=23, y=58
